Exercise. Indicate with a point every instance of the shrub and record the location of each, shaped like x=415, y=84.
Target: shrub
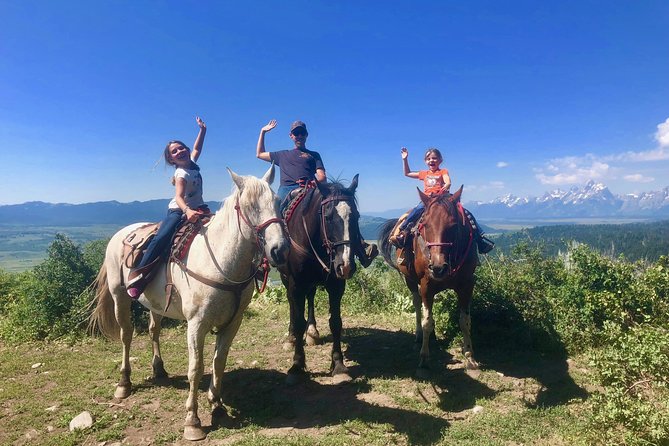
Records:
x=512, y=300
x=633, y=367
x=9, y=284
x=50, y=301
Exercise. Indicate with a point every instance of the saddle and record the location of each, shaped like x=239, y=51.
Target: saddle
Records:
x=405, y=245
x=135, y=244
x=294, y=198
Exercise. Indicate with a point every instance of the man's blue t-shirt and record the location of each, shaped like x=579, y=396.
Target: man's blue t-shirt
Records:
x=296, y=164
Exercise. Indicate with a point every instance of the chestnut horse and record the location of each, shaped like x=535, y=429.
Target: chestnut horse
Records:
x=323, y=228
x=214, y=285
x=442, y=255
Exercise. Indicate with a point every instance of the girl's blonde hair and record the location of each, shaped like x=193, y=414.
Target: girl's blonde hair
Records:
x=435, y=151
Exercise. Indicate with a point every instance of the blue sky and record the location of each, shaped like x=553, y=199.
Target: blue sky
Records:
x=521, y=97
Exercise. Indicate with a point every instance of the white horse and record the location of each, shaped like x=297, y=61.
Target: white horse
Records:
x=212, y=289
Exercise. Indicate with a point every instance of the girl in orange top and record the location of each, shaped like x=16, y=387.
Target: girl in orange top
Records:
x=435, y=181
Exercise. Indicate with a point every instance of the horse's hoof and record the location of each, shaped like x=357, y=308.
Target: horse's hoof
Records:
x=218, y=412
x=471, y=364
x=313, y=336
x=295, y=376
x=293, y=379
x=194, y=433
x=341, y=378
x=313, y=340
x=423, y=370
x=122, y=392
x=338, y=368
x=159, y=373
x=423, y=373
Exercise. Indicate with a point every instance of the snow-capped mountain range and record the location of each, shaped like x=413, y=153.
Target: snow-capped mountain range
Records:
x=591, y=200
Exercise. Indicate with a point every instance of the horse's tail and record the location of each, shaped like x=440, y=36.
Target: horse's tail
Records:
x=384, y=239
x=103, y=317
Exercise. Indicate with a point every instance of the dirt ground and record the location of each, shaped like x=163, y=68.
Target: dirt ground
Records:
x=383, y=390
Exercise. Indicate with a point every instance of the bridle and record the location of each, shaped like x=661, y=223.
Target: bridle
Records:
x=262, y=266
x=258, y=231
x=426, y=245
x=329, y=245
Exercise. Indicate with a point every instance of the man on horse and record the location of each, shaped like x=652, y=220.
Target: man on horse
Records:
x=300, y=166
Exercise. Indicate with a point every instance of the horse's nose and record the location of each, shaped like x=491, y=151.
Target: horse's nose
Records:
x=344, y=271
x=438, y=271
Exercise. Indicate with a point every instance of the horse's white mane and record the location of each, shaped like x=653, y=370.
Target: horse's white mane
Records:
x=253, y=189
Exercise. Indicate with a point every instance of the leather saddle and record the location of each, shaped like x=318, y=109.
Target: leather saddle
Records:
x=135, y=244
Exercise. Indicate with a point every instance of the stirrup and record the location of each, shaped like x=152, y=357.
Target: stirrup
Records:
x=399, y=240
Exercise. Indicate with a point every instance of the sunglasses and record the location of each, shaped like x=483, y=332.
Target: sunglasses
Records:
x=299, y=132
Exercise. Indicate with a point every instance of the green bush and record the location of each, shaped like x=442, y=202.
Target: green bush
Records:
x=633, y=368
x=51, y=299
x=9, y=283
x=377, y=288
x=513, y=302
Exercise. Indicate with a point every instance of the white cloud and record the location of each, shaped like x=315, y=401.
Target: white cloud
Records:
x=502, y=164
x=659, y=154
x=573, y=170
x=662, y=135
x=638, y=178
x=491, y=185
x=579, y=169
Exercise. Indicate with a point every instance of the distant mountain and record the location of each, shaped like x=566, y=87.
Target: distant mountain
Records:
x=38, y=213
x=101, y=212
x=591, y=200
x=390, y=213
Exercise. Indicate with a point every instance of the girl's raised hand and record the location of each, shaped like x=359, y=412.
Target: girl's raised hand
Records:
x=405, y=153
x=200, y=123
x=269, y=126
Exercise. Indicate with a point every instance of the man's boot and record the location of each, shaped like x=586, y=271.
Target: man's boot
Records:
x=369, y=252
x=484, y=244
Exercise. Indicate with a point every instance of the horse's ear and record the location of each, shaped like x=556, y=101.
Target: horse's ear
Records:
x=239, y=181
x=456, y=196
x=423, y=197
x=354, y=184
x=269, y=175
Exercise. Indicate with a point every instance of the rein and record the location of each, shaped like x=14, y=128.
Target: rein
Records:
x=429, y=245
x=263, y=263
x=327, y=244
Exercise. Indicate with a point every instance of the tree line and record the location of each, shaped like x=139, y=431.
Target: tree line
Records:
x=633, y=241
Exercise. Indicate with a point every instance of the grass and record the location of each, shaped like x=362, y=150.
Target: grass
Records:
x=525, y=398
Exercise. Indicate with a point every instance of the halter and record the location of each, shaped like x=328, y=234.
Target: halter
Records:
x=260, y=242
x=329, y=245
x=263, y=263
x=429, y=245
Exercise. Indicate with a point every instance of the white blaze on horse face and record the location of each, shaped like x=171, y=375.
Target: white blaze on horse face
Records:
x=344, y=212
